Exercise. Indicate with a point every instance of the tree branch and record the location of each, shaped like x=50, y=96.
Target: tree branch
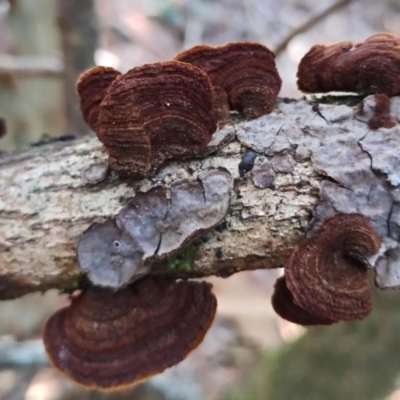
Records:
x=45, y=204
x=31, y=66
x=315, y=19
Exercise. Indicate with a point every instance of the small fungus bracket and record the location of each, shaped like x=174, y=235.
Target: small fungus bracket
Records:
x=109, y=256
x=243, y=74
x=325, y=273
x=152, y=227
x=92, y=87
x=284, y=305
x=370, y=67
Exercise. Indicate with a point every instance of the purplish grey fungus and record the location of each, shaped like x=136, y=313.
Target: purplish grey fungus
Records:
x=153, y=226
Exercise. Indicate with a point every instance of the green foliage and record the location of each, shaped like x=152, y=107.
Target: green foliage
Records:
x=357, y=361
x=71, y=285
x=184, y=260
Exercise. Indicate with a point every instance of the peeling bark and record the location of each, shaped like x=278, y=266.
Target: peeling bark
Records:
x=312, y=160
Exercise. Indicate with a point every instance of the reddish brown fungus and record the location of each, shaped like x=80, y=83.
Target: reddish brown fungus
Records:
x=154, y=113
x=284, y=305
x=326, y=275
x=108, y=340
x=372, y=66
x=92, y=86
x=382, y=117
x=244, y=76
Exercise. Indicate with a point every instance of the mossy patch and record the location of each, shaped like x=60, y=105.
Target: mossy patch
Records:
x=184, y=260
x=77, y=282
x=348, y=100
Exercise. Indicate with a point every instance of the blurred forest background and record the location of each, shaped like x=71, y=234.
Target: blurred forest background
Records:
x=249, y=354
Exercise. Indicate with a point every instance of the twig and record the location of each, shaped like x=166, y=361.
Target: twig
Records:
x=31, y=66
x=310, y=23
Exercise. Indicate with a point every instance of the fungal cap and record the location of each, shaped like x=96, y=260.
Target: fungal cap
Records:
x=382, y=117
x=109, y=340
x=326, y=275
x=244, y=71
x=196, y=206
x=284, y=305
x=154, y=113
x=372, y=66
x=110, y=256
x=92, y=86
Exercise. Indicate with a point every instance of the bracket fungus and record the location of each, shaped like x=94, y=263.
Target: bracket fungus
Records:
x=326, y=274
x=153, y=226
x=108, y=340
x=92, y=87
x=109, y=255
x=148, y=115
x=244, y=76
x=382, y=117
x=370, y=67
x=284, y=305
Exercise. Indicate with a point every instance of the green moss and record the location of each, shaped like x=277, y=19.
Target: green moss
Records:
x=184, y=260
x=75, y=283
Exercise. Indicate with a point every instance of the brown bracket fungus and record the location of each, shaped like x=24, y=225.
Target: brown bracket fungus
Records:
x=326, y=274
x=152, y=227
x=370, y=67
x=109, y=340
x=92, y=86
x=154, y=113
x=244, y=76
x=284, y=305
x=382, y=117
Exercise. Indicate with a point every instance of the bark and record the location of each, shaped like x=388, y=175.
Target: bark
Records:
x=312, y=160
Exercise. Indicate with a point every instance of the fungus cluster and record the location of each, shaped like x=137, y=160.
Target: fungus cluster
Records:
x=108, y=340
x=325, y=277
x=369, y=67
x=243, y=74
x=148, y=115
x=169, y=110
x=127, y=325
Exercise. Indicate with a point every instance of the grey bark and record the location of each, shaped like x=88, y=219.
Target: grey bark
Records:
x=312, y=161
